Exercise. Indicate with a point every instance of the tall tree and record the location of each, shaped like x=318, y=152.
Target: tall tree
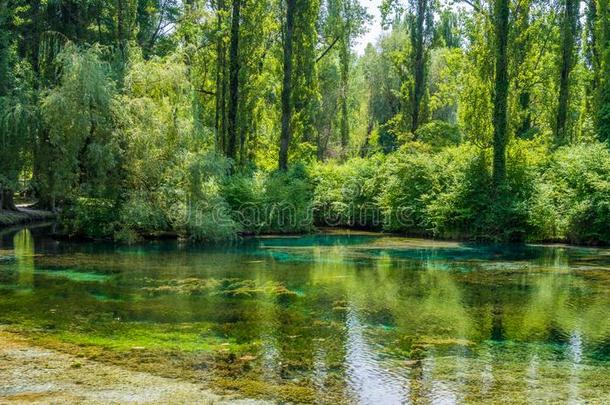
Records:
x=351, y=17
x=521, y=47
x=420, y=20
x=421, y=32
x=287, y=85
x=500, y=114
x=221, y=77
x=6, y=19
x=568, y=43
x=232, y=141
x=602, y=73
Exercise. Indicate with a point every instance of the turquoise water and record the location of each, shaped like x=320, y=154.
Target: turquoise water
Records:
x=327, y=318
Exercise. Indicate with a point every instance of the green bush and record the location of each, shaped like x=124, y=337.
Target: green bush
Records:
x=449, y=193
x=94, y=218
x=275, y=202
x=142, y=215
x=346, y=194
x=572, y=196
x=439, y=134
x=408, y=182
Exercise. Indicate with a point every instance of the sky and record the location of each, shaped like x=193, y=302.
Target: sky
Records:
x=375, y=30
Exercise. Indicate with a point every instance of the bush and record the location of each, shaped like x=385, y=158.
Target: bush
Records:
x=572, y=196
x=275, y=202
x=439, y=134
x=94, y=218
x=449, y=193
x=346, y=194
x=142, y=215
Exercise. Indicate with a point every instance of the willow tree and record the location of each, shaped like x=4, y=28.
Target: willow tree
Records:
x=81, y=156
x=7, y=136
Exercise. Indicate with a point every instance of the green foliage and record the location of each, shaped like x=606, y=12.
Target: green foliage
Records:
x=276, y=202
x=94, y=218
x=80, y=153
x=346, y=194
x=117, y=113
x=446, y=194
x=439, y=134
x=572, y=196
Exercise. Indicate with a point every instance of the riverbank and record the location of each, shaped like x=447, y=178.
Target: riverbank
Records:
x=36, y=375
x=24, y=215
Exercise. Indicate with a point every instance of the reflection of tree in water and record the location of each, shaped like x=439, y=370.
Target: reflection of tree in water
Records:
x=23, y=244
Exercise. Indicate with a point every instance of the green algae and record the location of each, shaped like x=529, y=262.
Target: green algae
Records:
x=233, y=287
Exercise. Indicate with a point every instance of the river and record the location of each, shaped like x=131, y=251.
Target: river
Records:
x=329, y=318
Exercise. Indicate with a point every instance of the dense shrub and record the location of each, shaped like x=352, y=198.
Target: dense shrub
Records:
x=572, y=196
x=444, y=193
x=346, y=194
x=90, y=217
x=274, y=202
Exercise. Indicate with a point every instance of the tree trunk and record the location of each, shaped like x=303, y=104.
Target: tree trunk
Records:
x=344, y=56
x=233, y=82
x=7, y=201
x=364, y=150
x=287, y=86
x=419, y=64
x=526, y=120
x=500, y=116
x=568, y=38
x=603, y=71
x=221, y=82
x=523, y=46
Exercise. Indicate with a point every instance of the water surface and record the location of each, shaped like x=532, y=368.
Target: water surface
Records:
x=326, y=318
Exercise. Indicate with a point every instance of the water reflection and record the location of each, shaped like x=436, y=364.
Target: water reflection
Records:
x=334, y=319
x=23, y=243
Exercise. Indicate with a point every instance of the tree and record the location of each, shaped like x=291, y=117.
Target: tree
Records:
x=500, y=114
x=602, y=69
x=220, y=121
x=232, y=141
x=17, y=112
x=287, y=85
x=421, y=34
x=345, y=20
x=420, y=21
x=522, y=44
x=81, y=155
x=568, y=42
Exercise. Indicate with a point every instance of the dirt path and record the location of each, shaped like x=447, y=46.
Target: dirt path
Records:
x=34, y=375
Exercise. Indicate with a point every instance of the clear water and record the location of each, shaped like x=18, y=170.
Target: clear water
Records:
x=327, y=318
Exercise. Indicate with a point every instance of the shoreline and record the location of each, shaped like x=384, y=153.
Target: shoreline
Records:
x=24, y=216
x=31, y=373
x=27, y=217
